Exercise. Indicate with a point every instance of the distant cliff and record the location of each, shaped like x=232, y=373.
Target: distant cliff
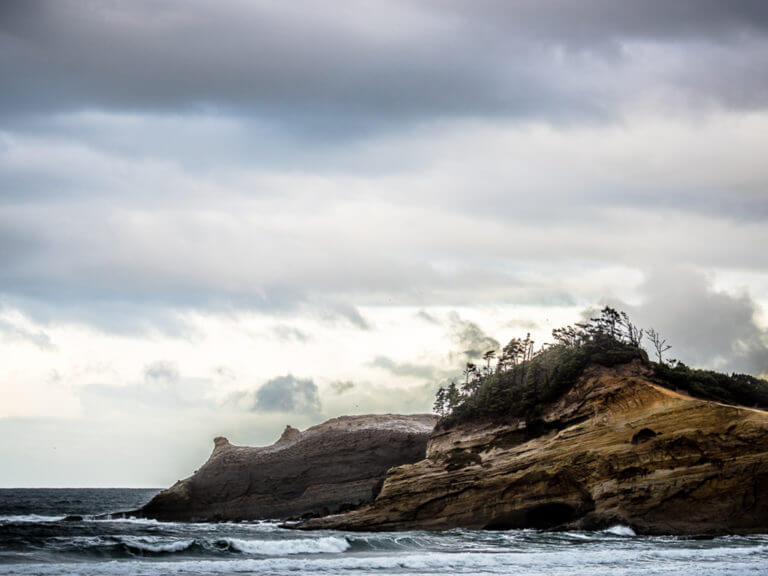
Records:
x=336, y=465
x=615, y=448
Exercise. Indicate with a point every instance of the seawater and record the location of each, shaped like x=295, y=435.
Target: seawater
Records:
x=35, y=540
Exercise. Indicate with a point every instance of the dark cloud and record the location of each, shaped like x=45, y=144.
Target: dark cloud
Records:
x=288, y=394
x=471, y=340
x=706, y=327
x=374, y=63
x=591, y=22
x=408, y=369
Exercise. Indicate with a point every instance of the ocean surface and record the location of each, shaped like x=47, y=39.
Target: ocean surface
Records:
x=35, y=540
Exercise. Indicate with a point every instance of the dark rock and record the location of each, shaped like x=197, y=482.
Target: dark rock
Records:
x=643, y=436
x=334, y=466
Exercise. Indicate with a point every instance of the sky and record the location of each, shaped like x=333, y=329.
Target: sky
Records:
x=221, y=218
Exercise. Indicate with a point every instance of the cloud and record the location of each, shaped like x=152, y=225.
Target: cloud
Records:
x=131, y=249
x=382, y=63
x=224, y=373
x=470, y=338
x=342, y=386
x=407, y=369
x=333, y=312
x=161, y=372
x=14, y=332
x=288, y=394
x=427, y=317
x=706, y=327
x=290, y=333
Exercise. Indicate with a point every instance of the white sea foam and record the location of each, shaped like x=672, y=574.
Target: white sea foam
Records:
x=126, y=520
x=326, y=545
x=29, y=518
x=620, y=530
x=576, y=535
x=147, y=544
x=567, y=562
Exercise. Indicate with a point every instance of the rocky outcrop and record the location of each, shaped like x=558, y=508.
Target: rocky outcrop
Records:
x=616, y=449
x=333, y=466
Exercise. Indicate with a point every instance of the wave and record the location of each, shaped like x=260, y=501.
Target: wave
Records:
x=326, y=545
x=155, y=546
x=29, y=518
x=619, y=530
x=127, y=520
x=135, y=545
x=556, y=563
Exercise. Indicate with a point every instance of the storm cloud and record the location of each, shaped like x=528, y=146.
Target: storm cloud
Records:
x=374, y=63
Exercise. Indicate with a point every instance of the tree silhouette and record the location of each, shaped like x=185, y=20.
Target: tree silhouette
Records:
x=527, y=347
x=469, y=370
x=452, y=397
x=440, y=401
x=471, y=381
x=488, y=356
x=634, y=333
x=608, y=322
x=511, y=352
x=659, y=344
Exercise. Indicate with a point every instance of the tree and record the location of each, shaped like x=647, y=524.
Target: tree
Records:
x=471, y=379
x=469, y=370
x=608, y=322
x=659, y=344
x=634, y=333
x=567, y=336
x=488, y=356
x=452, y=397
x=440, y=401
x=511, y=352
x=527, y=347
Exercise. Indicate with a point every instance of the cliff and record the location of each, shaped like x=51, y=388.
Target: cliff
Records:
x=333, y=466
x=615, y=448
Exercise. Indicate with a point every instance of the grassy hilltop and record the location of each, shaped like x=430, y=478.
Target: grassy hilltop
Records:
x=524, y=380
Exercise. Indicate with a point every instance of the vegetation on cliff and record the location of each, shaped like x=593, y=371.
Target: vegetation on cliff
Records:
x=524, y=379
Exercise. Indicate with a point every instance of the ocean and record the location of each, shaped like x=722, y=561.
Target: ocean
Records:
x=35, y=540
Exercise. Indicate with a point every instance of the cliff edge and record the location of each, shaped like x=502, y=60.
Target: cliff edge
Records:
x=336, y=465
x=617, y=448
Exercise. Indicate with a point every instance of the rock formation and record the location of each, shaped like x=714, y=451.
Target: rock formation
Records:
x=615, y=449
x=333, y=466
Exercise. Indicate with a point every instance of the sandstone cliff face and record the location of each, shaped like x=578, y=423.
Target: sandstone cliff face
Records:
x=615, y=449
x=333, y=466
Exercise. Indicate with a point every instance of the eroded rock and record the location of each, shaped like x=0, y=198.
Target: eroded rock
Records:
x=334, y=466
x=616, y=449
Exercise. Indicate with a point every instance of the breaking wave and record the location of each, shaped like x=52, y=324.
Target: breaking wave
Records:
x=326, y=545
x=620, y=530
